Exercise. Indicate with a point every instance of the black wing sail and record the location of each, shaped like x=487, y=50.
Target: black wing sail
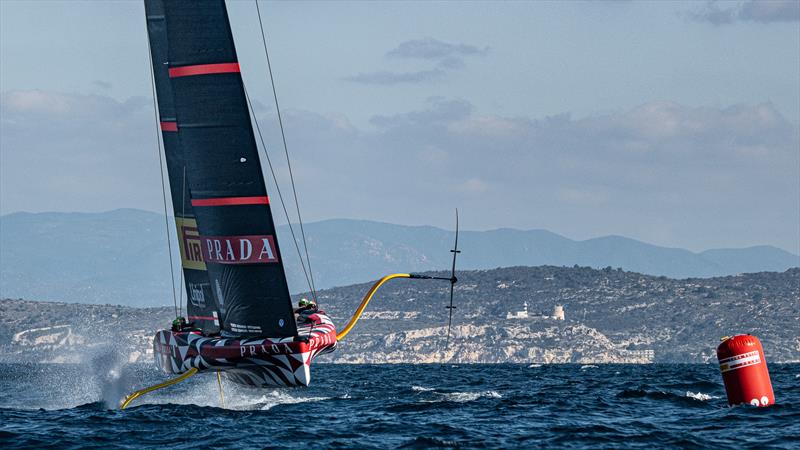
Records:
x=229, y=197
x=201, y=304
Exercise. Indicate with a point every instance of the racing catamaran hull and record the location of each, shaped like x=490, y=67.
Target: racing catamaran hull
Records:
x=257, y=362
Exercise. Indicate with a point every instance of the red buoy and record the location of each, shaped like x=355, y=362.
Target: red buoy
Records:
x=744, y=371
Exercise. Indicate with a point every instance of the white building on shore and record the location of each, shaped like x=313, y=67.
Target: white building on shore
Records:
x=558, y=314
x=519, y=314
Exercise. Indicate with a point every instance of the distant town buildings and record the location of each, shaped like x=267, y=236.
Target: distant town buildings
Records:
x=643, y=356
x=558, y=313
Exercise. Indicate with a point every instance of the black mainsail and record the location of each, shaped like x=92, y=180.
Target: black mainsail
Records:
x=236, y=231
x=201, y=303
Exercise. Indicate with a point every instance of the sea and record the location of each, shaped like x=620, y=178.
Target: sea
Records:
x=398, y=406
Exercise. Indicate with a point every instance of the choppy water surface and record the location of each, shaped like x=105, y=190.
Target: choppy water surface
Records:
x=399, y=406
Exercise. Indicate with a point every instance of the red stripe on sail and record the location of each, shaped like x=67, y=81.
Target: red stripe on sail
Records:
x=229, y=201
x=169, y=126
x=202, y=318
x=203, y=69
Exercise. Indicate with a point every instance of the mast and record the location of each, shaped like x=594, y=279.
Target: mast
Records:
x=228, y=193
x=201, y=304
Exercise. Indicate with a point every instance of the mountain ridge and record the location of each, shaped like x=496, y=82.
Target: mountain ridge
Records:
x=121, y=254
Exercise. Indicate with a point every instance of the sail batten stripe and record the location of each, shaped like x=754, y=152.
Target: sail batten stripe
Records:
x=211, y=318
x=231, y=201
x=169, y=126
x=203, y=69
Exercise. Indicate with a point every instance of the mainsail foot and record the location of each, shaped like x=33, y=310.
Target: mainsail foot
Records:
x=131, y=397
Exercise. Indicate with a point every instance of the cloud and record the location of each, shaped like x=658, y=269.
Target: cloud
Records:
x=445, y=56
x=429, y=48
x=387, y=78
x=770, y=11
x=102, y=84
x=712, y=176
x=473, y=185
x=706, y=173
x=76, y=152
x=441, y=112
x=762, y=11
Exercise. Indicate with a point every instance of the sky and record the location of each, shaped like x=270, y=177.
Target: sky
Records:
x=675, y=123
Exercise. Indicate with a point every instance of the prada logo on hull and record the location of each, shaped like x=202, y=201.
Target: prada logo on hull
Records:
x=239, y=249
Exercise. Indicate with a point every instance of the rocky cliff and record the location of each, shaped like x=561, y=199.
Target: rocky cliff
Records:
x=503, y=315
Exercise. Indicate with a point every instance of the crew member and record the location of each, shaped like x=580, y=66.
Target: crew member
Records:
x=307, y=311
x=303, y=304
x=179, y=323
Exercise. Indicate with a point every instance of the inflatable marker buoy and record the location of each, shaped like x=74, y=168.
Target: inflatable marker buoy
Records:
x=744, y=371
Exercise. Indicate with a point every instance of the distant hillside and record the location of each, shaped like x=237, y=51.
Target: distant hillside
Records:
x=120, y=256
x=611, y=316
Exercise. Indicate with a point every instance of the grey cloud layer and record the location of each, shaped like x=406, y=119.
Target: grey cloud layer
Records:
x=763, y=11
x=429, y=48
x=76, y=152
x=686, y=176
x=385, y=77
x=446, y=57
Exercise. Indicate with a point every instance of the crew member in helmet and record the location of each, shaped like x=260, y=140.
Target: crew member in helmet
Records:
x=179, y=324
x=303, y=304
x=306, y=311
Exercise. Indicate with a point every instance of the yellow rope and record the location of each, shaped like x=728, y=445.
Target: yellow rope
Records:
x=340, y=335
x=221, y=394
x=141, y=392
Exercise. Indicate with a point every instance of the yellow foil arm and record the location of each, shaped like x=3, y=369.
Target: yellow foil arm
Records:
x=340, y=335
x=141, y=392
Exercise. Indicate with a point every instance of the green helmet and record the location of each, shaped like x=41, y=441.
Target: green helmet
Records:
x=304, y=302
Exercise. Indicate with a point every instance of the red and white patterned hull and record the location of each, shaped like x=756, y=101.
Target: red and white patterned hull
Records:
x=253, y=362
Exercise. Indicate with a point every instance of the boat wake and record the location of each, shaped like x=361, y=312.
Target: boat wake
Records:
x=276, y=398
x=205, y=393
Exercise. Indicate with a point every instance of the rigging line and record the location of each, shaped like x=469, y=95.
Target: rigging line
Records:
x=161, y=166
x=286, y=151
x=278, y=188
x=183, y=215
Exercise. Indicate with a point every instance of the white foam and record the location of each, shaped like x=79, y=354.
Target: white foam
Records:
x=281, y=397
x=700, y=396
x=588, y=366
x=463, y=397
x=205, y=392
x=421, y=389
